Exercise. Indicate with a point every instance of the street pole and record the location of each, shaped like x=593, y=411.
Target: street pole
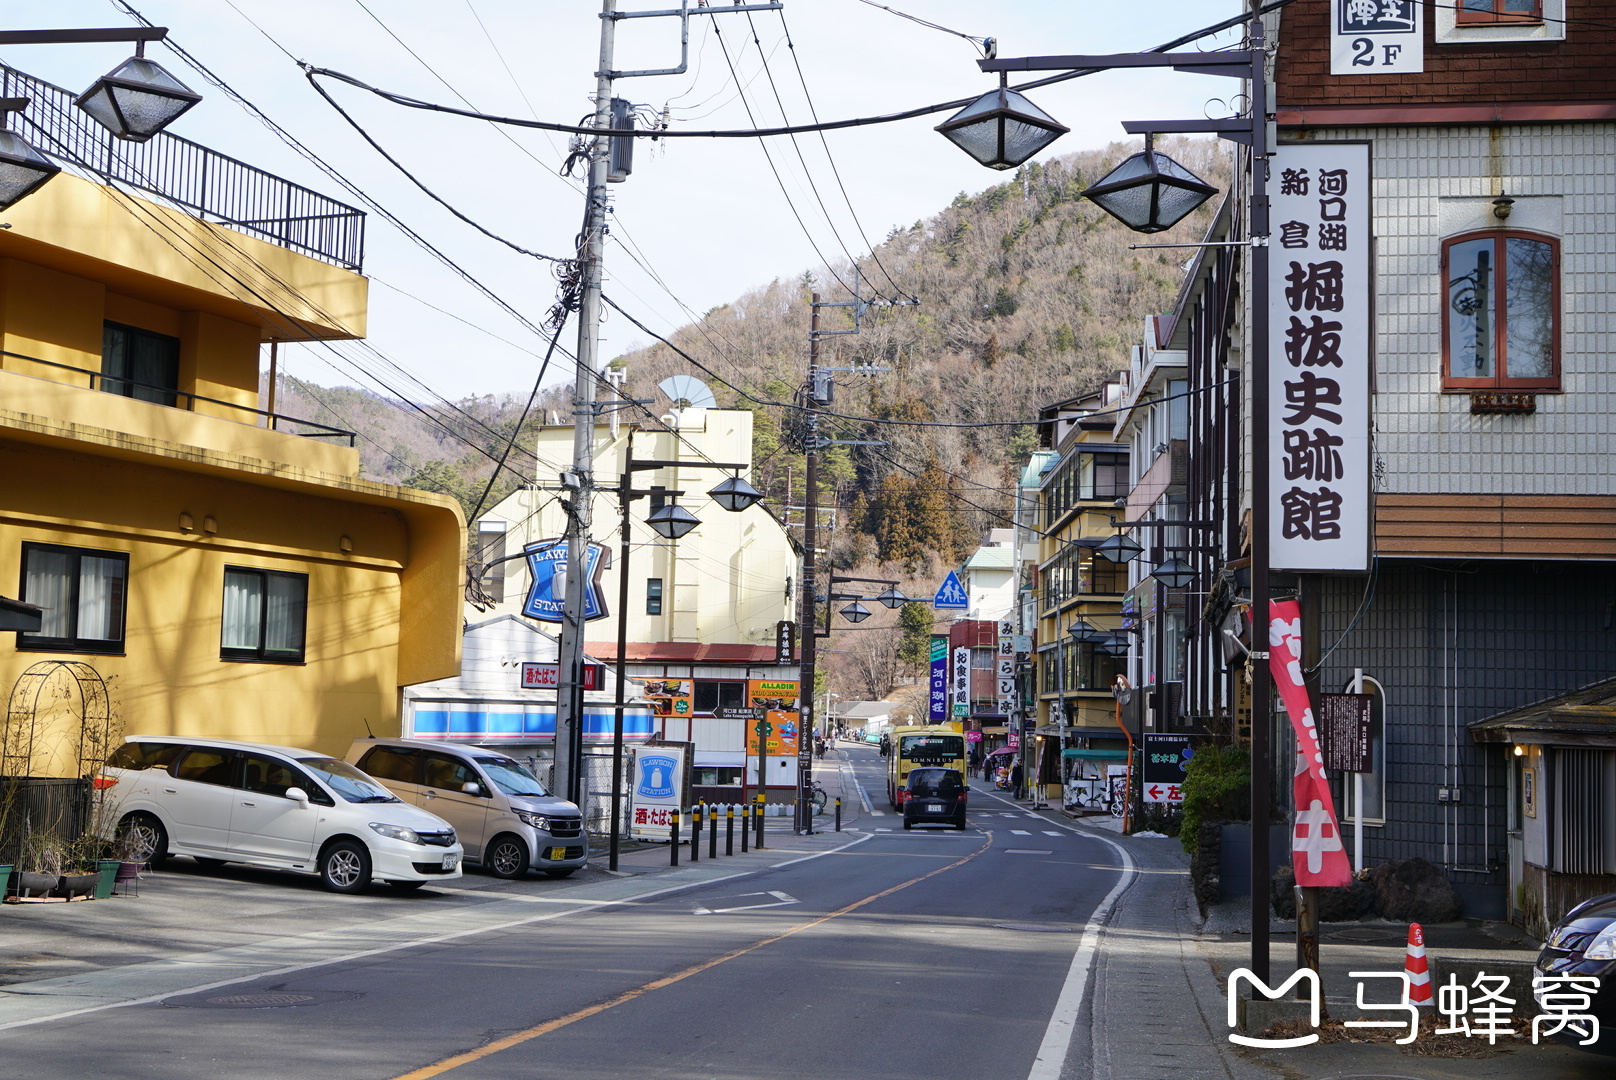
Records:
x=570, y=650
x=625, y=500
x=1261, y=685
x=810, y=538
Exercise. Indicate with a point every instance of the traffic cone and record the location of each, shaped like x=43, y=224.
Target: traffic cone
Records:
x=1419, y=976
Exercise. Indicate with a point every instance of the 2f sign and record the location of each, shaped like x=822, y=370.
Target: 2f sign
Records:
x=1373, y=37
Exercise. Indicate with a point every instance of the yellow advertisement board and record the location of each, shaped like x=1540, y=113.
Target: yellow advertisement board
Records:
x=777, y=698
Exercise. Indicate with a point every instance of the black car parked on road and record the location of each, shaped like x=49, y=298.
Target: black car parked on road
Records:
x=935, y=797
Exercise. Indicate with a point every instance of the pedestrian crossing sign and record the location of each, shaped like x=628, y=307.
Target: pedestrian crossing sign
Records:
x=951, y=594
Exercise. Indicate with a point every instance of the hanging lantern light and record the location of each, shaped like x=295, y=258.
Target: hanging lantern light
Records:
x=23, y=170
x=1086, y=633
x=1118, y=548
x=735, y=494
x=1175, y=573
x=137, y=99
x=855, y=612
x=1001, y=129
x=673, y=521
x=892, y=598
x=1150, y=191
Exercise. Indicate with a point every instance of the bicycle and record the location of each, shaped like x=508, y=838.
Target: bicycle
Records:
x=818, y=794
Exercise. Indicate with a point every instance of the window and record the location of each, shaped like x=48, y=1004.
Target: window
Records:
x=712, y=696
x=490, y=552
x=392, y=763
x=347, y=781
x=1474, y=12
x=1500, y=326
x=264, y=615
x=82, y=593
x=265, y=775
x=204, y=766
x=139, y=364
x=447, y=773
x=653, y=596
x=138, y=756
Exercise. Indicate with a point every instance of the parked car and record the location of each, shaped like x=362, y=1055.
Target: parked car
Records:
x=1584, y=944
x=934, y=797
x=506, y=818
x=221, y=801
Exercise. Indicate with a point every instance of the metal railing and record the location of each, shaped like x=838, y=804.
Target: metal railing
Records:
x=213, y=186
x=170, y=397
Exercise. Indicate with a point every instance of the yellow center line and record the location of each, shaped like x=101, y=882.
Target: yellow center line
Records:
x=518, y=1037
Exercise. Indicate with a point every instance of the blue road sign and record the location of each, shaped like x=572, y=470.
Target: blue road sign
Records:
x=951, y=594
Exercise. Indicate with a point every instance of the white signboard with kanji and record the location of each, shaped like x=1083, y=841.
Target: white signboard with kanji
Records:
x=961, y=684
x=1006, y=667
x=1373, y=37
x=1320, y=357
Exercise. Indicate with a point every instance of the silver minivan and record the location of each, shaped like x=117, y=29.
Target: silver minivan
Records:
x=506, y=819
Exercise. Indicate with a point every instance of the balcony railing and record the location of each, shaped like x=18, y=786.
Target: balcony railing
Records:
x=177, y=399
x=211, y=185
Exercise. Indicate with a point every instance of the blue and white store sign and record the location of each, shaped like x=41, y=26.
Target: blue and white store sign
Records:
x=494, y=722
x=658, y=780
x=546, y=598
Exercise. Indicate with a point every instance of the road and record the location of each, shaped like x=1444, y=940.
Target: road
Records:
x=930, y=954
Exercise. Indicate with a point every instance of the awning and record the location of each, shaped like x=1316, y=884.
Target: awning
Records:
x=1096, y=755
x=1000, y=750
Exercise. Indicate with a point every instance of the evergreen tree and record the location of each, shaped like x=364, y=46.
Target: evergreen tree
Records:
x=916, y=620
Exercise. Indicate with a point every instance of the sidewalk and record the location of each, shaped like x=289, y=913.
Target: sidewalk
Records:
x=1159, y=1008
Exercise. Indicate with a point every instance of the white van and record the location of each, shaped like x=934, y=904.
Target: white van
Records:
x=506, y=818
x=221, y=801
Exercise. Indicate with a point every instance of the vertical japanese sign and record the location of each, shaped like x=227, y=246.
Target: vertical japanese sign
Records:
x=962, y=682
x=1320, y=335
x=1371, y=37
x=1317, y=854
x=938, y=711
x=1005, y=666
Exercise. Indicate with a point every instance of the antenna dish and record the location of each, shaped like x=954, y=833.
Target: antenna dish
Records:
x=687, y=392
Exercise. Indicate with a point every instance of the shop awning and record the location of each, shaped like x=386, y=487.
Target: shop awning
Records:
x=1096, y=755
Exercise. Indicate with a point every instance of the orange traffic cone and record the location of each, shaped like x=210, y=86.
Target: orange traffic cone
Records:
x=1419, y=976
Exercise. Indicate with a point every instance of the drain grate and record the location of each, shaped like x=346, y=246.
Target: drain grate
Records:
x=258, y=1000
x=1034, y=928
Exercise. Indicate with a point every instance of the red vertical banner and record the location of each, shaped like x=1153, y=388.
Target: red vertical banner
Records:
x=1317, y=854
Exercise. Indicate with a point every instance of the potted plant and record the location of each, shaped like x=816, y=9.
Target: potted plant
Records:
x=40, y=866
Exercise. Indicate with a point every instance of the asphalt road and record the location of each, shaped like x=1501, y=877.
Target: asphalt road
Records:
x=906, y=955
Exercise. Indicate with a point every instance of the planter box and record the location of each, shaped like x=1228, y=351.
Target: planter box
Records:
x=28, y=883
x=77, y=885
x=107, y=871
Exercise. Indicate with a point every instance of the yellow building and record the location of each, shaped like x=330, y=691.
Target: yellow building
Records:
x=225, y=571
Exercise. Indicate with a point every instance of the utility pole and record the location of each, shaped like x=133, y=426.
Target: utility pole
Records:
x=581, y=484
x=810, y=538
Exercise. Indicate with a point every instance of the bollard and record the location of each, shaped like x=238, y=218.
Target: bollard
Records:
x=838, y=813
x=673, y=848
x=760, y=808
x=746, y=826
x=729, y=829
x=695, y=833
x=712, y=832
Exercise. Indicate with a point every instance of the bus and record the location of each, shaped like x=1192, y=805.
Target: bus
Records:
x=922, y=745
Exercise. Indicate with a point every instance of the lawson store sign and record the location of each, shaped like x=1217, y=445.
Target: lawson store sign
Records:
x=511, y=722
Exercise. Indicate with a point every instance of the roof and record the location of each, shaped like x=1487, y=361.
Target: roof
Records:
x=1039, y=463
x=1583, y=717
x=1000, y=557
x=683, y=652
x=864, y=710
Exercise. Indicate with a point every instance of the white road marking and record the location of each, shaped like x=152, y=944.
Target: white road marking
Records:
x=883, y=830
x=1053, y=832
x=1027, y=851
x=780, y=900
x=1019, y=832
x=818, y=854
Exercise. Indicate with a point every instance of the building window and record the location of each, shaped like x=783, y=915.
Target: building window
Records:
x=490, y=553
x=712, y=696
x=139, y=364
x=1489, y=12
x=82, y=594
x=1501, y=317
x=653, y=596
x=265, y=612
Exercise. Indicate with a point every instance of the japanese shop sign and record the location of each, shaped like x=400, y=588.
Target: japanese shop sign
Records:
x=1316, y=852
x=1006, y=666
x=1320, y=355
x=1372, y=37
x=547, y=562
x=543, y=676
x=962, y=681
x=1346, y=726
x=1162, y=767
x=938, y=711
x=776, y=705
x=657, y=781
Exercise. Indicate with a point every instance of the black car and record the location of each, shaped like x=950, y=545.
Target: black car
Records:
x=1584, y=944
x=935, y=797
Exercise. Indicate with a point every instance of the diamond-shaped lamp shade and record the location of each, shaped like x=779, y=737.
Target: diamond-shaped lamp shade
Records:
x=1150, y=192
x=1086, y=633
x=1118, y=549
x=1174, y=573
x=673, y=521
x=892, y=598
x=735, y=494
x=855, y=612
x=22, y=168
x=136, y=99
x=1001, y=129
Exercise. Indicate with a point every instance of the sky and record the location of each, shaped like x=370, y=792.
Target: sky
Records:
x=699, y=223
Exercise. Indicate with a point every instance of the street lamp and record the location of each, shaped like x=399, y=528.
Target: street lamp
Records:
x=22, y=168
x=855, y=612
x=1086, y=633
x=1118, y=548
x=1001, y=129
x=137, y=99
x=735, y=494
x=1150, y=192
x=892, y=599
x=672, y=521
x=1175, y=573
